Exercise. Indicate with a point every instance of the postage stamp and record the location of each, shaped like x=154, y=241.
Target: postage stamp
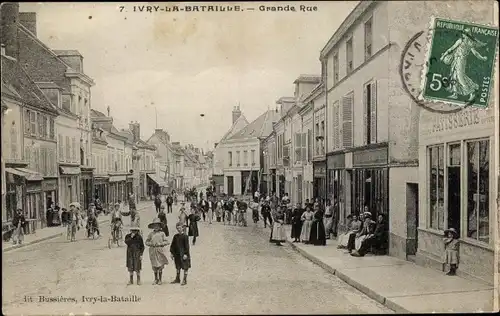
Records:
x=460, y=61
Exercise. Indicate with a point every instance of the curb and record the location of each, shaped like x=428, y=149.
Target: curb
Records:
x=363, y=289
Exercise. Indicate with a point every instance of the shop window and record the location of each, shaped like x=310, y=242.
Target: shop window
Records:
x=454, y=186
x=436, y=187
x=478, y=224
x=10, y=200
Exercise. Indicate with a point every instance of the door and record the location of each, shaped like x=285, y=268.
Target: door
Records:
x=299, y=185
x=412, y=218
x=230, y=186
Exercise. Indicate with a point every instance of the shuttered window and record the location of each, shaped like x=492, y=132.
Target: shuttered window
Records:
x=298, y=147
x=73, y=149
x=370, y=113
x=27, y=125
x=309, y=145
x=304, y=147
x=336, y=125
x=51, y=129
x=61, y=147
x=347, y=115
x=68, y=149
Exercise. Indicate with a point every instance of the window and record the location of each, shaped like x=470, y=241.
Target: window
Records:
x=68, y=149
x=304, y=147
x=286, y=156
x=335, y=68
x=478, y=190
x=78, y=109
x=73, y=149
x=253, y=157
x=309, y=145
x=27, y=124
x=368, y=39
x=45, y=126
x=245, y=158
x=436, y=187
x=32, y=123
x=317, y=139
x=51, y=129
x=453, y=198
x=347, y=118
x=336, y=125
x=230, y=159
x=13, y=141
x=349, y=56
x=61, y=147
x=298, y=147
x=238, y=158
x=370, y=113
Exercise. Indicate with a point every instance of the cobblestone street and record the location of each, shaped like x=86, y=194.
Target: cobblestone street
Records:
x=235, y=271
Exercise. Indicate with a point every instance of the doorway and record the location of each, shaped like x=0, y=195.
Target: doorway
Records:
x=412, y=218
x=454, y=199
x=230, y=186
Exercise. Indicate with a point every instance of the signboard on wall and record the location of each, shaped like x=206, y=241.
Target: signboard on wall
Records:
x=370, y=157
x=336, y=161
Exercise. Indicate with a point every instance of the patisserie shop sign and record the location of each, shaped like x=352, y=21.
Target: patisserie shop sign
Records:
x=456, y=120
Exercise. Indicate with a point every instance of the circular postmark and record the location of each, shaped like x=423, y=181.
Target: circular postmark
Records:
x=412, y=64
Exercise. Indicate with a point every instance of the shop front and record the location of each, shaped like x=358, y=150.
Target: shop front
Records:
x=319, y=184
x=458, y=185
x=130, y=185
x=271, y=181
x=297, y=185
x=156, y=185
x=69, y=185
x=101, y=188
x=87, y=186
x=49, y=188
x=336, y=184
x=15, y=184
x=117, y=185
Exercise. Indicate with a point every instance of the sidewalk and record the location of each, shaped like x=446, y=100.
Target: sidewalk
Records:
x=400, y=285
x=54, y=232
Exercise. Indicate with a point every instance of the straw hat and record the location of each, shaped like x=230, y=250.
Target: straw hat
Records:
x=367, y=214
x=156, y=222
x=451, y=230
x=134, y=226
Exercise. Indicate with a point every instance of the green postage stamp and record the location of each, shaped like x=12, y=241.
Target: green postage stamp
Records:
x=460, y=63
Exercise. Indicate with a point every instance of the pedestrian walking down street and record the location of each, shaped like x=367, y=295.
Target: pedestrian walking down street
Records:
x=157, y=203
x=255, y=209
x=193, y=219
x=210, y=211
x=169, y=201
x=242, y=213
x=278, y=232
x=307, y=219
x=265, y=211
x=135, y=250
x=131, y=201
x=183, y=215
x=297, y=222
x=163, y=218
x=218, y=211
x=451, y=248
x=73, y=222
x=203, y=206
x=328, y=219
x=318, y=237
x=19, y=222
x=156, y=241
x=179, y=251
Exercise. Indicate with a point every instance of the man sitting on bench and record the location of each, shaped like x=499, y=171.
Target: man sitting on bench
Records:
x=376, y=241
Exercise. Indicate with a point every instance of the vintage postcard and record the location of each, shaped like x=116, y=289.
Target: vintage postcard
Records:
x=208, y=158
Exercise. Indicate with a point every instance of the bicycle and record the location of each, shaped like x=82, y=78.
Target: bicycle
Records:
x=91, y=231
x=116, y=236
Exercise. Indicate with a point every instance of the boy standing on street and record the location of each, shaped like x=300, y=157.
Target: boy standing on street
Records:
x=179, y=250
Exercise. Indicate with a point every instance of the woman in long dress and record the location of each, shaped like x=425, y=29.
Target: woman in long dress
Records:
x=307, y=218
x=193, y=219
x=278, y=232
x=459, y=83
x=353, y=227
x=318, y=235
x=297, y=223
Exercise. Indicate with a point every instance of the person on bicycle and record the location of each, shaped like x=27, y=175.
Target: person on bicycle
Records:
x=92, y=224
x=116, y=220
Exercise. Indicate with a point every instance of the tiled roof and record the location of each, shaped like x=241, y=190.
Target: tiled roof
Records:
x=230, y=132
x=285, y=99
x=260, y=127
x=308, y=78
x=95, y=113
x=66, y=52
x=48, y=85
x=18, y=81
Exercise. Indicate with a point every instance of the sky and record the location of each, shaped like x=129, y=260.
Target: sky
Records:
x=164, y=69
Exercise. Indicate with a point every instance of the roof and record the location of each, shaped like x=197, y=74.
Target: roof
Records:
x=19, y=83
x=285, y=99
x=95, y=113
x=260, y=127
x=232, y=130
x=163, y=137
x=48, y=85
x=67, y=52
x=308, y=79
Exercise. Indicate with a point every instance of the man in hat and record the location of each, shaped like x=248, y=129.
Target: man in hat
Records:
x=135, y=249
x=179, y=251
x=377, y=239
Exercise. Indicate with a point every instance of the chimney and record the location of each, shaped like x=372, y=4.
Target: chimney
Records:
x=9, y=19
x=109, y=111
x=28, y=20
x=236, y=113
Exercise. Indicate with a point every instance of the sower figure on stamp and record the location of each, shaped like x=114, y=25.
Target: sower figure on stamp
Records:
x=179, y=250
x=135, y=249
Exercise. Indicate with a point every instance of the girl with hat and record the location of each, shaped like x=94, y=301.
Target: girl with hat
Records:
x=135, y=249
x=451, y=245
x=156, y=242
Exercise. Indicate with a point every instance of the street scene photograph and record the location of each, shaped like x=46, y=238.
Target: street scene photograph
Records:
x=243, y=158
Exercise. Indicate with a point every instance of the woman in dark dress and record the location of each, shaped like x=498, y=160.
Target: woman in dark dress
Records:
x=318, y=235
x=163, y=218
x=193, y=219
x=297, y=223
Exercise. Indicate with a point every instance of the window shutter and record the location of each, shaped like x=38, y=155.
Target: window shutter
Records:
x=304, y=147
x=373, y=127
x=60, y=146
x=27, y=124
x=309, y=145
x=336, y=132
x=347, y=102
x=365, y=115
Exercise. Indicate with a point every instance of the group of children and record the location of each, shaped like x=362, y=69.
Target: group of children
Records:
x=157, y=242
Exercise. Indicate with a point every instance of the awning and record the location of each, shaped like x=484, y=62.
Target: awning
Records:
x=69, y=170
x=30, y=175
x=157, y=179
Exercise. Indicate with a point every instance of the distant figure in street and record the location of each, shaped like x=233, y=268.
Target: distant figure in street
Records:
x=210, y=210
x=19, y=222
x=296, y=222
x=179, y=251
x=255, y=210
x=156, y=242
x=278, y=232
x=169, y=201
x=73, y=222
x=318, y=236
x=50, y=212
x=157, y=203
x=131, y=201
x=64, y=216
x=193, y=219
x=265, y=211
x=135, y=250
x=451, y=247
x=203, y=206
x=163, y=218
x=307, y=219
x=328, y=220
x=183, y=215
x=218, y=211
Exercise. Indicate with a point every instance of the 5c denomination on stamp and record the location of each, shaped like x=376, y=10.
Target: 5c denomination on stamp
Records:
x=460, y=63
